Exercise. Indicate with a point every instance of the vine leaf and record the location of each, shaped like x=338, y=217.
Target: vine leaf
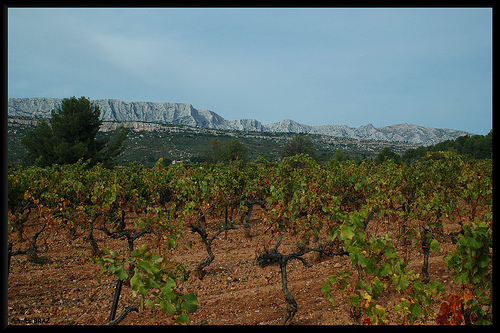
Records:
x=434, y=246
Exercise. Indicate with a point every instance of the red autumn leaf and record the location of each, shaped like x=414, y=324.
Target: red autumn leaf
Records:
x=453, y=299
x=444, y=310
x=467, y=295
x=455, y=302
x=367, y=321
x=457, y=318
x=442, y=320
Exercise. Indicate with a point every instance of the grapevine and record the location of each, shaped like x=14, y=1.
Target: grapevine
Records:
x=375, y=215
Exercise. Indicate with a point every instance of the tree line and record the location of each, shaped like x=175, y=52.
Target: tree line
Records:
x=475, y=146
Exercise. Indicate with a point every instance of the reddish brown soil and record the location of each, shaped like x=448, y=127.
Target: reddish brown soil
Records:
x=235, y=291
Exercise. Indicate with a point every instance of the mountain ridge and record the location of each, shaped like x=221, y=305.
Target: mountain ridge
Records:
x=186, y=114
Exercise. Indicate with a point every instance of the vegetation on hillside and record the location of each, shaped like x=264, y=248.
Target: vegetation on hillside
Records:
x=193, y=145
x=218, y=151
x=184, y=143
x=475, y=147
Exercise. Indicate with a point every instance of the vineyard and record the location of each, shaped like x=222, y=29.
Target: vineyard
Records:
x=290, y=242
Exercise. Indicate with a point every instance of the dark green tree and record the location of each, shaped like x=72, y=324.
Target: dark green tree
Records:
x=475, y=146
x=459, y=143
x=115, y=147
x=488, y=144
x=387, y=154
x=340, y=156
x=70, y=135
x=234, y=150
x=41, y=145
x=298, y=145
x=224, y=152
x=213, y=153
x=412, y=155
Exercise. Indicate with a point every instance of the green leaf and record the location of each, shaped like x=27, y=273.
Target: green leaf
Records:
x=149, y=304
x=148, y=267
x=168, y=291
x=325, y=291
x=434, y=246
x=348, y=231
x=401, y=282
x=150, y=283
x=120, y=272
x=167, y=307
x=462, y=278
x=182, y=319
x=415, y=310
x=390, y=254
x=138, y=285
x=474, y=243
x=354, y=299
x=325, y=288
x=385, y=269
x=190, y=302
x=156, y=259
x=135, y=253
x=377, y=287
x=483, y=261
x=170, y=283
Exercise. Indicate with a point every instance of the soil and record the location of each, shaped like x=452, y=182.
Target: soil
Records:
x=62, y=288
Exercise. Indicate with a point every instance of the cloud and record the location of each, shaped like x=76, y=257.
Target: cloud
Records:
x=316, y=66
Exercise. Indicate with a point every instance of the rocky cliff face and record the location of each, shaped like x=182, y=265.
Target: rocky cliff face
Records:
x=395, y=133
x=116, y=110
x=186, y=114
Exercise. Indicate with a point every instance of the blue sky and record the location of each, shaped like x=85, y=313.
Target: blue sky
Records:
x=430, y=67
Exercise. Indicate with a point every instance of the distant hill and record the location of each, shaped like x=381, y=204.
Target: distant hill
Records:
x=186, y=114
x=147, y=142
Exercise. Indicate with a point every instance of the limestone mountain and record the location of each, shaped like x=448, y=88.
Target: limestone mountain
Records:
x=186, y=114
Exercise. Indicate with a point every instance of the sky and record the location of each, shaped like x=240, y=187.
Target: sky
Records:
x=426, y=66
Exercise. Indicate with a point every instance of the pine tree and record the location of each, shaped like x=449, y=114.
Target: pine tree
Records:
x=298, y=145
x=70, y=135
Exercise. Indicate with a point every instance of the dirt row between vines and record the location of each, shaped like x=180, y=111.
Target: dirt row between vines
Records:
x=235, y=291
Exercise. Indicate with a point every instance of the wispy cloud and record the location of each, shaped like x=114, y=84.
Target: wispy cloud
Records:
x=431, y=67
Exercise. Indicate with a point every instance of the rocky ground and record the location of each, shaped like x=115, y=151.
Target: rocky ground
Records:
x=63, y=289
